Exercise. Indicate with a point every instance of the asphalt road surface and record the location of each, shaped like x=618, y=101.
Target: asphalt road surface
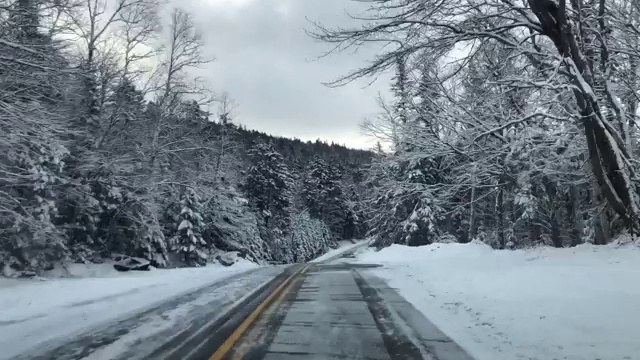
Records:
x=309, y=311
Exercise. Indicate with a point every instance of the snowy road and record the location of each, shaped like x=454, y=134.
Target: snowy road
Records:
x=307, y=311
x=325, y=311
x=340, y=311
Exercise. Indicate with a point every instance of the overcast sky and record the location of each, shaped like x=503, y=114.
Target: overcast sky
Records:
x=269, y=66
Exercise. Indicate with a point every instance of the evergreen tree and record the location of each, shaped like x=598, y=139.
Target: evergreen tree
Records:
x=269, y=186
x=31, y=242
x=231, y=225
x=324, y=197
x=151, y=240
x=188, y=239
x=33, y=154
x=401, y=217
x=124, y=107
x=309, y=238
x=400, y=89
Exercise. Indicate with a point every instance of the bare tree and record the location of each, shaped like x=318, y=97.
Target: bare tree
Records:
x=138, y=25
x=225, y=115
x=182, y=56
x=95, y=24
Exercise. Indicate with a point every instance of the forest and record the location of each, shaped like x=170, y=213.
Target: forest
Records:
x=111, y=147
x=512, y=122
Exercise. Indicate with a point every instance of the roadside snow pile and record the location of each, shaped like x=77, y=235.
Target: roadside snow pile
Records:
x=343, y=246
x=579, y=303
x=33, y=312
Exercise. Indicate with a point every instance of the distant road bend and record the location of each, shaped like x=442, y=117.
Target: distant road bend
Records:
x=329, y=310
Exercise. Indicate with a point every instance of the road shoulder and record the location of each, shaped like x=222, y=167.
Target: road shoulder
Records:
x=409, y=324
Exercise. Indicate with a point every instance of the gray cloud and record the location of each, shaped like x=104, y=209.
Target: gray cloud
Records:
x=269, y=66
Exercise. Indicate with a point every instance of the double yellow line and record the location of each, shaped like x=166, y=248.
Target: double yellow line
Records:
x=279, y=292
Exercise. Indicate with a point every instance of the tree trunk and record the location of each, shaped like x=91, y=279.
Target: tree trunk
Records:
x=578, y=226
x=472, y=208
x=534, y=232
x=608, y=155
x=555, y=227
x=500, y=213
x=556, y=217
x=600, y=222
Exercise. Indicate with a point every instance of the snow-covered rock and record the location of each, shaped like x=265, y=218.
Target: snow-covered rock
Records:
x=226, y=260
x=132, y=263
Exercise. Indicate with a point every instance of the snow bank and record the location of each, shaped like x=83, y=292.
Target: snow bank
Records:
x=33, y=312
x=343, y=246
x=581, y=303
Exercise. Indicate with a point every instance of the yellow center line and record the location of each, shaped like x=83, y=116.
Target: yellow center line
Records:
x=240, y=352
x=228, y=344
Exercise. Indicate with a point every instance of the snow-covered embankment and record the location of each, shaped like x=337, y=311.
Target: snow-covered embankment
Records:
x=578, y=303
x=33, y=312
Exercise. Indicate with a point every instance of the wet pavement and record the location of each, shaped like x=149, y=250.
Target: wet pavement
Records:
x=341, y=311
x=332, y=310
x=328, y=319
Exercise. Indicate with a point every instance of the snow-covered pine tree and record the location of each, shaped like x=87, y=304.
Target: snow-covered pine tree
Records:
x=403, y=208
x=150, y=240
x=33, y=152
x=231, y=225
x=31, y=242
x=309, y=238
x=403, y=216
x=324, y=196
x=269, y=186
x=120, y=127
x=400, y=88
x=188, y=239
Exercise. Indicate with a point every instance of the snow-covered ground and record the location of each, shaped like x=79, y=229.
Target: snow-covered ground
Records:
x=343, y=247
x=580, y=303
x=33, y=312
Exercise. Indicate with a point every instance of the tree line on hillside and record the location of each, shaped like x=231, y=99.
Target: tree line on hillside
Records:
x=513, y=123
x=107, y=148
